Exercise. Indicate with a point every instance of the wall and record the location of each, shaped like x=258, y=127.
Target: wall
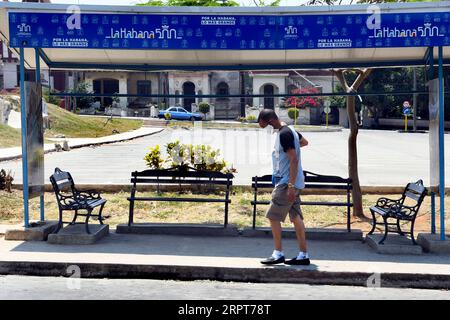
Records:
x=259, y=80
x=133, y=78
x=121, y=76
x=9, y=71
x=176, y=81
x=226, y=108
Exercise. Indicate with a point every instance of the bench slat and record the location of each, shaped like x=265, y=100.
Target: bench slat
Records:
x=312, y=203
x=95, y=202
x=379, y=210
x=177, y=199
x=182, y=174
x=415, y=187
x=263, y=178
x=61, y=175
x=307, y=186
x=413, y=196
x=326, y=186
x=180, y=181
x=331, y=204
x=64, y=185
x=320, y=179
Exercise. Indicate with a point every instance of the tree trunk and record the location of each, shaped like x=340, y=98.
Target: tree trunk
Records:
x=352, y=139
x=353, y=157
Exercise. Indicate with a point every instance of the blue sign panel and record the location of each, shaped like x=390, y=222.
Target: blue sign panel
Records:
x=228, y=32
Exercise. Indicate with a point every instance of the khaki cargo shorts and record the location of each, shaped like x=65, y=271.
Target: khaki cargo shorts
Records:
x=280, y=206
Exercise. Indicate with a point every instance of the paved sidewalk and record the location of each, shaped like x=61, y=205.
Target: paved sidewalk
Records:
x=16, y=152
x=224, y=258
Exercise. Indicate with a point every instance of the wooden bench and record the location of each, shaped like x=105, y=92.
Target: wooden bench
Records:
x=205, y=181
x=312, y=181
x=69, y=198
x=403, y=209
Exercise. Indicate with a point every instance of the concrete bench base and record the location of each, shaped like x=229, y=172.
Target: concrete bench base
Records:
x=179, y=229
x=38, y=231
x=311, y=234
x=432, y=243
x=76, y=234
x=394, y=244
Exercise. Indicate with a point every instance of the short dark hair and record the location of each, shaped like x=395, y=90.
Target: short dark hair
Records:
x=267, y=115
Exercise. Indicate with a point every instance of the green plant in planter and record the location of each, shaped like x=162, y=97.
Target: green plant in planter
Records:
x=251, y=118
x=153, y=158
x=293, y=113
x=179, y=154
x=204, y=107
x=182, y=156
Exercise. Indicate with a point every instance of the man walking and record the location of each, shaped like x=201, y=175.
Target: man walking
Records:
x=288, y=179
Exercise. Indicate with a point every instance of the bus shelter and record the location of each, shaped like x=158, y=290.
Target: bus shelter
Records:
x=223, y=38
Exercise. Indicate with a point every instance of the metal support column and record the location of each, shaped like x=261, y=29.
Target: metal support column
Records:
x=441, y=143
x=23, y=115
x=38, y=80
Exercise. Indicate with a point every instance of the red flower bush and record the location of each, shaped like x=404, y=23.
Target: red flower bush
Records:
x=302, y=101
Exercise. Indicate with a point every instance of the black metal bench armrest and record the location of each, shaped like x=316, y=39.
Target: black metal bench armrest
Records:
x=399, y=211
x=386, y=203
x=87, y=194
x=67, y=201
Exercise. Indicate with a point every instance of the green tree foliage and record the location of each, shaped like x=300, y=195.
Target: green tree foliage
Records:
x=262, y=3
x=83, y=102
x=203, y=107
x=190, y=3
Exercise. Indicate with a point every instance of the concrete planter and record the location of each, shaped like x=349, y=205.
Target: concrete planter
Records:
x=303, y=116
x=154, y=111
x=209, y=116
x=250, y=111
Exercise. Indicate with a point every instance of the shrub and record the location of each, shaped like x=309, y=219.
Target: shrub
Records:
x=182, y=156
x=251, y=118
x=153, y=158
x=204, y=107
x=5, y=180
x=293, y=113
x=51, y=99
x=302, y=101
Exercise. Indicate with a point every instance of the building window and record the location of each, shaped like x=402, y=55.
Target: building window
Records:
x=223, y=90
x=144, y=87
x=200, y=99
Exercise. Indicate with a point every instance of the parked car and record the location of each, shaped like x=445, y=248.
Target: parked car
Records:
x=180, y=113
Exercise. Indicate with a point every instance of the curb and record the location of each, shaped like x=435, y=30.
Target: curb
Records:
x=303, y=275
x=82, y=145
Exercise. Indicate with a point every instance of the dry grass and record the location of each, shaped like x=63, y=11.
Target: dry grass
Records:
x=240, y=210
x=75, y=126
x=10, y=137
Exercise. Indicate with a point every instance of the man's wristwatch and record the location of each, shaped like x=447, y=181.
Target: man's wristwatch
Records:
x=291, y=185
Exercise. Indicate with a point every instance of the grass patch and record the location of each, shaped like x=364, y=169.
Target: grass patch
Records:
x=10, y=137
x=75, y=126
x=240, y=210
x=71, y=126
